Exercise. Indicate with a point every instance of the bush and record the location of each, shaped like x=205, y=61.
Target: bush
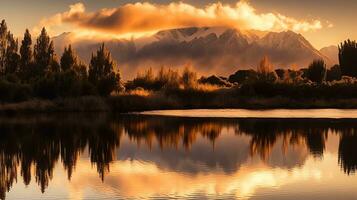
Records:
x=164, y=79
x=106, y=85
x=214, y=80
x=242, y=76
x=334, y=74
x=188, y=78
x=317, y=71
x=64, y=84
x=14, y=92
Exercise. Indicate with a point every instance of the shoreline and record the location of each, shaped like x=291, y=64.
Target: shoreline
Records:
x=132, y=103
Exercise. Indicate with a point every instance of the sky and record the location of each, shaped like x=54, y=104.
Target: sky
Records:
x=323, y=23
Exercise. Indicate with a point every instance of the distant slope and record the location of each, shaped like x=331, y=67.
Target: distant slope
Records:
x=209, y=50
x=331, y=52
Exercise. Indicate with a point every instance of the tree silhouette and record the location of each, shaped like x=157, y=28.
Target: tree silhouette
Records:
x=334, y=74
x=44, y=54
x=26, y=56
x=348, y=58
x=189, y=78
x=317, y=71
x=68, y=59
x=101, y=72
x=265, y=71
x=11, y=56
x=242, y=76
x=3, y=44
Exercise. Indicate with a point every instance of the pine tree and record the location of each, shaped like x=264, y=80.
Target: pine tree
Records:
x=44, y=54
x=3, y=44
x=11, y=56
x=8, y=50
x=68, y=59
x=26, y=56
x=101, y=72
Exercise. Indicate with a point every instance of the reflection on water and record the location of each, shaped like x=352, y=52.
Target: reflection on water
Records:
x=94, y=157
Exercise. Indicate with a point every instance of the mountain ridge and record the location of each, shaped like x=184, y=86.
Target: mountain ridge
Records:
x=217, y=50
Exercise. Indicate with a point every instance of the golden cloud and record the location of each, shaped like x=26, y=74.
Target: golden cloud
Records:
x=148, y=17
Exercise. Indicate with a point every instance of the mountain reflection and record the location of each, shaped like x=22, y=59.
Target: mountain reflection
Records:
x=32, y=146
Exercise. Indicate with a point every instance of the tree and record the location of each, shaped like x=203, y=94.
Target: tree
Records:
x=44, y=54
x=347, y=53
x=81, y=71
x=317, y=71
x=334, y=74
x=167, y=78
x=265, y=66
x=101, y=72
x=3, y=44
x=11, y=56
x=68, y=59
x=26, y=56
x=265, y=71
x=188, y=78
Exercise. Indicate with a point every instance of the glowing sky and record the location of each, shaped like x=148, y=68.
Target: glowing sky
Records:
x=321, y=22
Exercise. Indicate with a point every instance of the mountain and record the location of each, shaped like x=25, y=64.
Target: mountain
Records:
x=331, y=52
x=209, y=50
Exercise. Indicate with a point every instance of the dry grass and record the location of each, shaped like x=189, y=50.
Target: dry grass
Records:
x=139, y=92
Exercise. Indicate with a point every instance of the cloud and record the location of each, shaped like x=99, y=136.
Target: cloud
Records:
x=148, y=17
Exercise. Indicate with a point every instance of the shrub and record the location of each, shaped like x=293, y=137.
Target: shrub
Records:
x=242, y=76
x=317, y=71
x=14, y=92
x=106, y=85
x=214, y=80
x=265, y=72
x=63, y=84
x=188, y=78
x=334, y=74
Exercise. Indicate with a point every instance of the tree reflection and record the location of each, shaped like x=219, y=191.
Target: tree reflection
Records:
x=33, y=146
x=39, y=144
x=347, y=156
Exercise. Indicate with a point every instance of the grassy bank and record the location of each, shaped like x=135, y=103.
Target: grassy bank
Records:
x=133, y=103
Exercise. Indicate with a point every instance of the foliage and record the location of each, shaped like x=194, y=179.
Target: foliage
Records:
x=167, y=78
x=68, y=59
x=44, y=57
x=11, y=56
x=3, y=44
x=33, y=71
x=334, y=74
x=265, y=72
x=164, y=79
x=317, y=71
x=242, y=76
x=188, y=78
x=26, y=57
x=102, y=74
x=214, y=80
x=14, y=92
x=348, y=58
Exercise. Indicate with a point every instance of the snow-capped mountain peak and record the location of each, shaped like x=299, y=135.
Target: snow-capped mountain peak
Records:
x=217, y=50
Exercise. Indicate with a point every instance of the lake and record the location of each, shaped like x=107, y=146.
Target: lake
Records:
x=158, y=155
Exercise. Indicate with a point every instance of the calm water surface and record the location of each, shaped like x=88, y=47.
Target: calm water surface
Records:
x=155, y=157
